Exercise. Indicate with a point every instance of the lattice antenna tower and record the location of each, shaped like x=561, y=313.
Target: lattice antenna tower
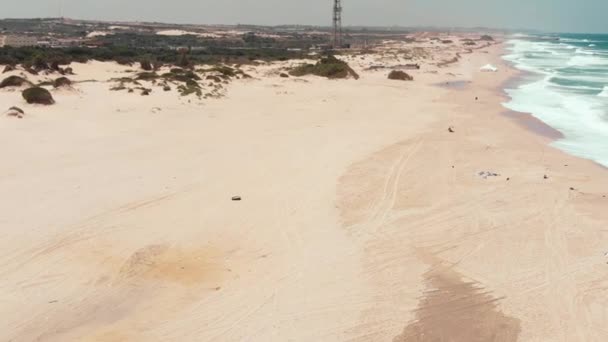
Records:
x=337, y=40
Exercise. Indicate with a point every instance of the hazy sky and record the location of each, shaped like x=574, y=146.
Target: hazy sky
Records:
x=548, y=15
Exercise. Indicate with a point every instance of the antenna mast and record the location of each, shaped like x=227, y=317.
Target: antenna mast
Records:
x=61, y=3
x=337, y=41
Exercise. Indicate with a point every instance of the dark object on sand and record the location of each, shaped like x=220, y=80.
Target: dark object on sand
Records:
x=68, y=71
x=237, y=198
x=476, y=98
x=400, y=66
x=284, y=75
x=17, y=109
x=400, y=76
x=145, y=92
x=546, y=177
x=167, y=88
x=8, y=68
x=486, y=174
x=16, y=112
x=14, y=81
x=62, y=82
x=451, y=129
x=508, y=179
x=31, y=71
x=146, y=65
x=214, y=78
x=38, y=95
x=329, y=67
x=572, y=189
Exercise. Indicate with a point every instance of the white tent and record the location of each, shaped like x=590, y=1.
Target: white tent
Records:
x=489, y=68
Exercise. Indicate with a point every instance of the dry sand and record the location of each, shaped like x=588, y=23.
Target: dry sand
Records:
x=362, y=219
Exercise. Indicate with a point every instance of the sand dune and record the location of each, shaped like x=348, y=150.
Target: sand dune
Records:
x=362, y=219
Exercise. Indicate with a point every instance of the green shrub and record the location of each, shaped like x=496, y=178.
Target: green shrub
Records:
x=38, y=95
x=14, y=81
x=146, y=65
x=213, y=78
x=225, y=70
x=400, y=75
x=190, y=88
x=329, y=67
x=147, y=76
x=62, y=82
x=39, y=63
x=8, y=68
x=181, y=76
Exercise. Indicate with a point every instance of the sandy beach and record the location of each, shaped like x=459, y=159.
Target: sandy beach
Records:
x=362, y=217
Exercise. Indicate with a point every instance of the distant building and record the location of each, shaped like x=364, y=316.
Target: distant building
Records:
x=19, y=41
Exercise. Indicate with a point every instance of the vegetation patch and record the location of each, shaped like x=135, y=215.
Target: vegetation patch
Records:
x=146, y=65
x=329, y=67
x=14, y=81
x=181, y=76
x=62, y=82
x=8, y=68
x=214, y=78
x=118, y=87
x=38, y=95
x=190, y=88
x=147, y=76
x=400, y=76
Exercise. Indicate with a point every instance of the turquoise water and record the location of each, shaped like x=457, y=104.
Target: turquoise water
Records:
x=566, y=86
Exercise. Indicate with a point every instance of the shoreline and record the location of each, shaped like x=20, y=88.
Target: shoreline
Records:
x=539, y=197
x=529, y=120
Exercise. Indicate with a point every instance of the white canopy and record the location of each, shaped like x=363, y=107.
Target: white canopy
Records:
x=489, y=68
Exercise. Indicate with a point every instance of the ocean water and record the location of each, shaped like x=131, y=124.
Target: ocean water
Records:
x=566, y=87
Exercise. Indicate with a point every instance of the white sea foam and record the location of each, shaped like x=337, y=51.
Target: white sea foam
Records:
x=592, y=45
x=587, y=61
x=567, y=46
x=584, y=52
x=573, y=106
